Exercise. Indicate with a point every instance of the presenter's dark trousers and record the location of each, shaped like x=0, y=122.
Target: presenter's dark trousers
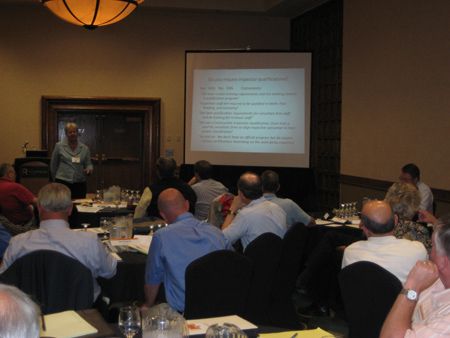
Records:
x=78, y=189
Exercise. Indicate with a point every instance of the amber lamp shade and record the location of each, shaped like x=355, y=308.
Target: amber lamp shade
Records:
x=91, y=13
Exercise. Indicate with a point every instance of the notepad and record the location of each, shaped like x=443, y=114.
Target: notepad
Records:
x=66, y=324
x=317, y=333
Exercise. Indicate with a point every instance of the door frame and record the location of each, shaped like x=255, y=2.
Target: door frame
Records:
x=52, y=106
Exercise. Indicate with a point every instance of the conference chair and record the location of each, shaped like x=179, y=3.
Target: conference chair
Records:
x=56, y=282
x=368, y=292
x=282, y=311
x=265, y=253
x=217, y=284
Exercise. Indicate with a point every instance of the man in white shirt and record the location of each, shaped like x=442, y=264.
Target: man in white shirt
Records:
x=422, y=309
x=398, y=256
x=411, y=174
x=251, y=215
x=55, y=206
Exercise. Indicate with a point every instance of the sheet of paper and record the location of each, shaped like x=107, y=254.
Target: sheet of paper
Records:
x=356, y=226
x=91, y=209
x=94, y=230
x=323, y=222
x=334, y=225
x=116, y=256
x=143, y=243
x=317, y=333
x=339, y=220
x=199, y=326
x=65, y=325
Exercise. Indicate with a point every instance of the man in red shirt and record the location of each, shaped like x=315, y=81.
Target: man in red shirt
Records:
x=15, y=199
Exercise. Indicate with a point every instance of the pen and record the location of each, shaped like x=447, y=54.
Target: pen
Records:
x=43, y=322
x=295, y=335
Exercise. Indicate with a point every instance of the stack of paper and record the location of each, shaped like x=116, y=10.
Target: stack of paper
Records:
x=65, y=325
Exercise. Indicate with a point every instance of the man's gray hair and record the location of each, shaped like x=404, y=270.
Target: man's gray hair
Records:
x=404, y=199
x=4, y=168
x=55, y=197
x=19, y=315
x=441, y=231
x=70, y=125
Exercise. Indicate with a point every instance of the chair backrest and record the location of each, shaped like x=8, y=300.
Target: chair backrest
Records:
x=56, y=282
x=282, y=311
x=368, y=292
x=217, y=284
x=265, y=253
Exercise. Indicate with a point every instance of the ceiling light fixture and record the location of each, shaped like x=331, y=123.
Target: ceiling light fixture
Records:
x=91, y=13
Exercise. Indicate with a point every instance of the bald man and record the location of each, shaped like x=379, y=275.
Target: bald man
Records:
x=251, y=215
x=173, y=248
x=398, y=256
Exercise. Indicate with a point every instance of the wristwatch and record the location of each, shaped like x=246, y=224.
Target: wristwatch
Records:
x=231, y=212
x=410, y=294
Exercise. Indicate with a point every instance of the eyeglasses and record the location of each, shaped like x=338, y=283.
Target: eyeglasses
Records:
x=404, y=179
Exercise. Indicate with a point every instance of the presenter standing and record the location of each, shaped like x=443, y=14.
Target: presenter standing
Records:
x=71, y=162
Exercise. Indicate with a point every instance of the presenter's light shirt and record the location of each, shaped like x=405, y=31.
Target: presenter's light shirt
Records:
x=68, y=165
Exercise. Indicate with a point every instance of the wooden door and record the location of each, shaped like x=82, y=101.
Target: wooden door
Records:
x=115, y=141
x=122, y=136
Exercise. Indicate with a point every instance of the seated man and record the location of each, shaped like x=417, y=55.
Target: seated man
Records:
x=19, y=315
x=55, y=206
x=294, y=214
x=205, y=188
x=257, y=215
x=411, y=174
x=165, y=168
x=398, y=256
x=5, y=238
x=422, y=308
x=15, y=200
x=173, y=248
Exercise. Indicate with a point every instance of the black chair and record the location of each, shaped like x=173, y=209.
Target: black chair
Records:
x=265, y=252
x=282, y=311
x=56, y=282
x=217, y=284
x=368, y=292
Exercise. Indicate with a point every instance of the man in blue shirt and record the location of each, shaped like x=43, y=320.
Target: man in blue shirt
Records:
x=294, y=214
x=5, y=237
x=251, y=215
x=173, y=248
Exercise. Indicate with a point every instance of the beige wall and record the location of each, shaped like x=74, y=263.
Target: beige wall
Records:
x=142, y=56
x=396, y=89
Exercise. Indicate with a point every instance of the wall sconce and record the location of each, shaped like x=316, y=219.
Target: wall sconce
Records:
x=91, y=13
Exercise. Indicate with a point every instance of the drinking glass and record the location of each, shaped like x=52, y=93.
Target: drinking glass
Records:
x=151, y=229
x=85, y=226
x=104, y=224
x=164, y=327
x=129, y=320
x=117, y=203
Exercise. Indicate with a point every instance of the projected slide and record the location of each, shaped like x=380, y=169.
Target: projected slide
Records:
x=248, y=108
x=261, y=110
